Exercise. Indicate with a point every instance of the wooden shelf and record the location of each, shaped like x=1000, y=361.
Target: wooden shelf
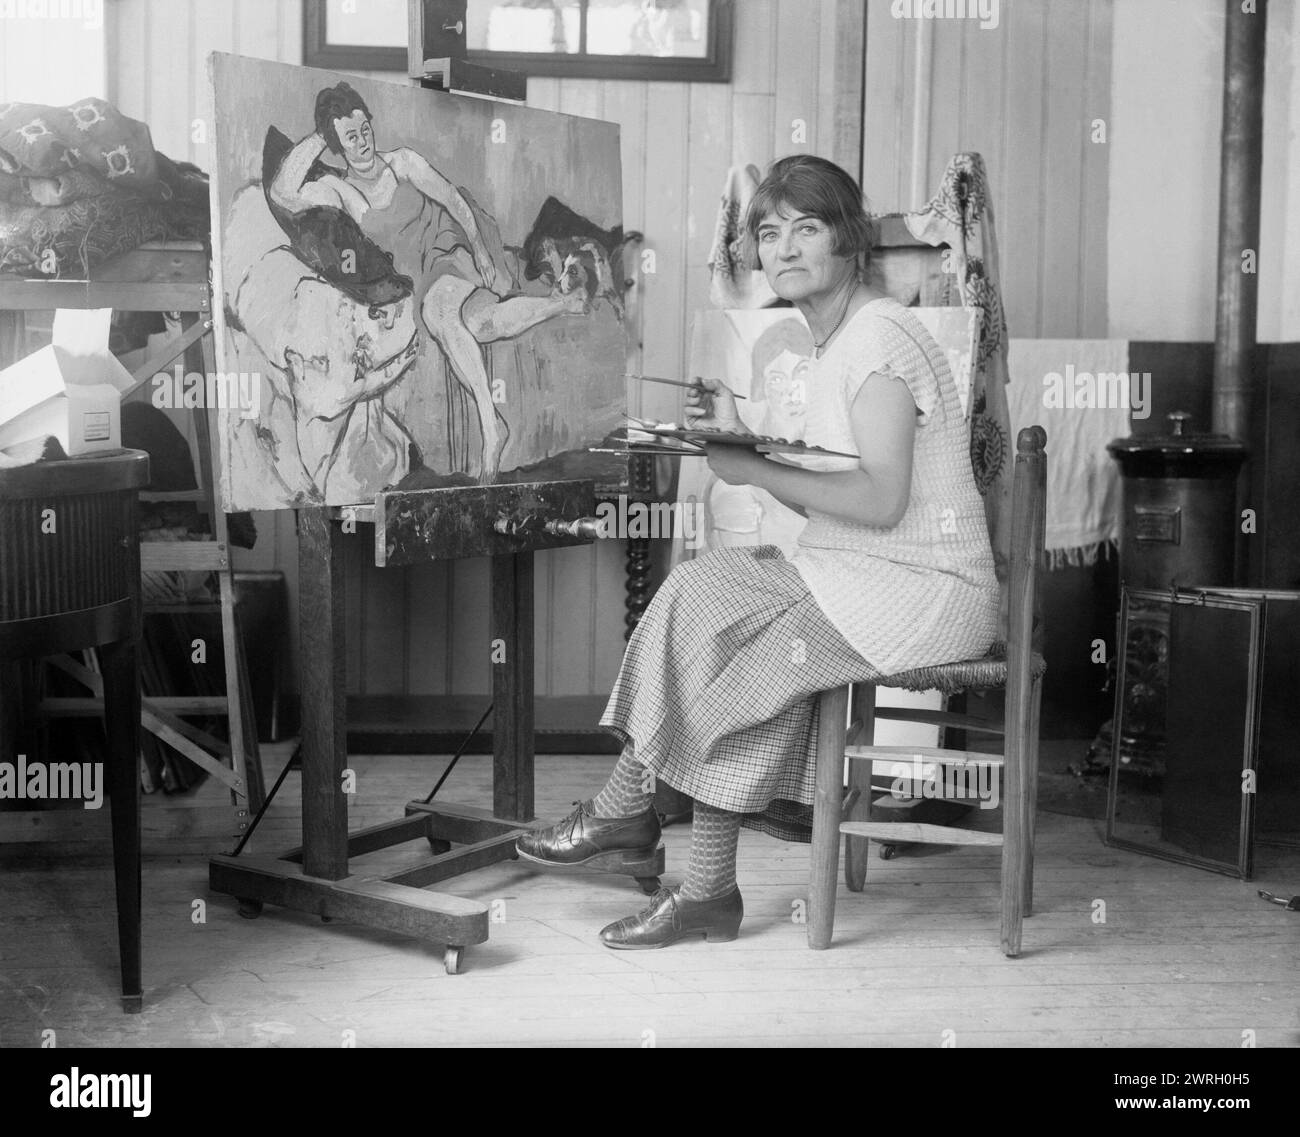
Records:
x=184, y=555
x=157, y=277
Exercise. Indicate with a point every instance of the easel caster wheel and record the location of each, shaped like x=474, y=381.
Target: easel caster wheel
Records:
x=250, y=909
x=326, y=919
x=888, y=852
x=649, y=884
x=439, y=846
x=451, y=959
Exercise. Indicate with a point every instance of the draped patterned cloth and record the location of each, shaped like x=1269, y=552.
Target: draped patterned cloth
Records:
x=960, y=215
x=83, y=183
x=734, y=281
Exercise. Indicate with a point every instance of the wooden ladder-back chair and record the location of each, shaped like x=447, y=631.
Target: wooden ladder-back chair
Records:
x=946, y=254
x=1019, y=670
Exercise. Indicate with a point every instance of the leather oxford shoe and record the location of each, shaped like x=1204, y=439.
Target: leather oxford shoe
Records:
x=669, y=918
x=582, y=837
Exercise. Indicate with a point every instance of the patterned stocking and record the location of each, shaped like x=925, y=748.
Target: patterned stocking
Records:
x=626, y=793
x=711, y=871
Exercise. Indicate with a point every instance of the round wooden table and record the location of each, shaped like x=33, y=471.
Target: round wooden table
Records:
x=70, y=580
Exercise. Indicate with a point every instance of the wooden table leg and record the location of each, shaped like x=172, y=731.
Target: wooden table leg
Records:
x=324, y=696
x=122, y=721
x=512, y=686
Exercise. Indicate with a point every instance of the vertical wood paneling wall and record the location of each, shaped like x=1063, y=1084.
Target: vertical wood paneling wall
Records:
x=1167, y=101
x=1024, y=94
x=425, y=630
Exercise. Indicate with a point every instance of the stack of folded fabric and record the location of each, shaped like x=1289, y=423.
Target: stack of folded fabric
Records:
x=83, y=183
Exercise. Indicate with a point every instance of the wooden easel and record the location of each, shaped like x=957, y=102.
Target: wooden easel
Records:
x=316, y=877
x=503, y=522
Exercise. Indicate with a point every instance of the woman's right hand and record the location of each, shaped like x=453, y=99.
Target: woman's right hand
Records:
x=711, y=404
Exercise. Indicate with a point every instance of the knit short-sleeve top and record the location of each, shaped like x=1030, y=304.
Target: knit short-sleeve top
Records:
x=923, y=591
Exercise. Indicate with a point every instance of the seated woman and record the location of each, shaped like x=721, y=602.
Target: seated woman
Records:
x=716, y=694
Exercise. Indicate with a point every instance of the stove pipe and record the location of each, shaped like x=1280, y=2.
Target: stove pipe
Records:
x=1241, y=165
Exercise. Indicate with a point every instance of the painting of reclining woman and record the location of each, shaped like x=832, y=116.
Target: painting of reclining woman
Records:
x=429, y=286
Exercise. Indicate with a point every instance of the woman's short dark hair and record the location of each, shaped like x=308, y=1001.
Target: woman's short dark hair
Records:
x=821, y=189
x=334, y=102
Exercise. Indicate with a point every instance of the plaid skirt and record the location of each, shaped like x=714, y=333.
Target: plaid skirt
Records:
x=716, y=694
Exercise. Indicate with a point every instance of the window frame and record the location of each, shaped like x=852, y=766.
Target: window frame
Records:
x=714, y=67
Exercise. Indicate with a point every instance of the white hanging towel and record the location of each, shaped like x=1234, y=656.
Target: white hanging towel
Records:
x=1081, y=393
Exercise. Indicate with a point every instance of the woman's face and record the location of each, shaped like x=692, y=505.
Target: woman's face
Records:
x=795, y=251
x=357, y=138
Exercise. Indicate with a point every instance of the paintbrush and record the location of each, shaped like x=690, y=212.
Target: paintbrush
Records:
x=697, y=386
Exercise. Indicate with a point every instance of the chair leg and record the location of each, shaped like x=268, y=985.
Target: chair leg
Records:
x=857, y=849
x=828, y=796
x=121, y=722
x=1031, y=791
x=1014, y=835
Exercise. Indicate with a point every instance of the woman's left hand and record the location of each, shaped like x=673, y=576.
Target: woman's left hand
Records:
x=735, y=465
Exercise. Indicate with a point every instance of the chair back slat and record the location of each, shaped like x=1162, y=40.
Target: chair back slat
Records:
x=1028, y=521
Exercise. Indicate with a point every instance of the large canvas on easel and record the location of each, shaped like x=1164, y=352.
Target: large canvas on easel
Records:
x=429, y=293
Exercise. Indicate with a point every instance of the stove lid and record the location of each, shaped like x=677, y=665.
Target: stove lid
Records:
x=1181, y=438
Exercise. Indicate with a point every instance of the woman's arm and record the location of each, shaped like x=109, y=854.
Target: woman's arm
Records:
x=883, y=418
x=290, y=188
x=793, y=505
x=408, y=164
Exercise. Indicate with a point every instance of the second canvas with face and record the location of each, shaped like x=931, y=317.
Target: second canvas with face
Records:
x=764, y=355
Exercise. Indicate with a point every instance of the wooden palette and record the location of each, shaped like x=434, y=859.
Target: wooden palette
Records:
x=761, y=443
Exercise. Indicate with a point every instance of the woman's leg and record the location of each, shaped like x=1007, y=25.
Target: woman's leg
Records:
x=711, y=871
x=490, y=318
x=462, y=316
x=620, y=818
x=441, y=313
x=707, y=904
x=628, y=791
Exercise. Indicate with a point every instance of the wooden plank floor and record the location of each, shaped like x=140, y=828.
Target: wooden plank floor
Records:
x=1185, y=958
